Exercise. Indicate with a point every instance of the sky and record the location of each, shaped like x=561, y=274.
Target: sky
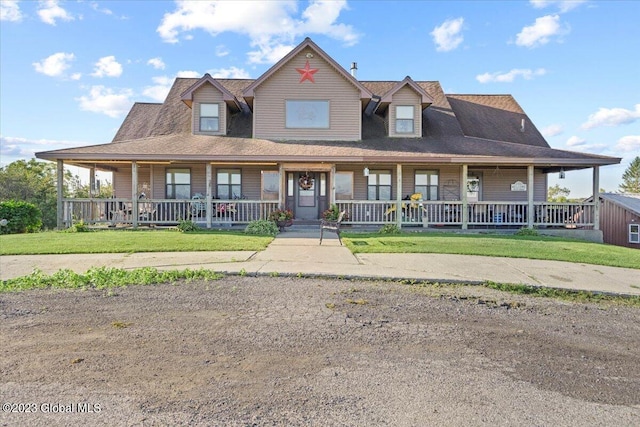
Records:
x=71, y=70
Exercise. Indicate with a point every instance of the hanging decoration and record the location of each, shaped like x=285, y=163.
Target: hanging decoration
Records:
x=307, y=72
x=305, y=182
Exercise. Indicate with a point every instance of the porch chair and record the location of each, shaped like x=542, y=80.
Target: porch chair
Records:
x=332, y=225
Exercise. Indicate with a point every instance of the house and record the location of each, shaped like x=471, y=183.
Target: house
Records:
x=307, y=134
x=620, y=219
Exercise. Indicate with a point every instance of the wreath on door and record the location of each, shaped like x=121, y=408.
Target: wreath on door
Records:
x=305, y=182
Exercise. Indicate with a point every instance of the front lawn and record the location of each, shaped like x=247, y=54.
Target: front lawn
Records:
x=129, y=241
x=534, y=247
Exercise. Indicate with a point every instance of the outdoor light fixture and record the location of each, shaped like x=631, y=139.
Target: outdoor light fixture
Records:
x=366, y=171
x=561, y=173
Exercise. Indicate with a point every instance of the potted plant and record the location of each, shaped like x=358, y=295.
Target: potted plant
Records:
x=282, y=217
x=333, y=213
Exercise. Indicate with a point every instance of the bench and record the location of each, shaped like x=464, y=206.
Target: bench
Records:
x=332, y=225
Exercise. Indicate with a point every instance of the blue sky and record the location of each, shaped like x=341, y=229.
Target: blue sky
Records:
x=70, y=70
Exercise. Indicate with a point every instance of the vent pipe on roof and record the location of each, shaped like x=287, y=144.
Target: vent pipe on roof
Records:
x=522, y=126
x=354, y=69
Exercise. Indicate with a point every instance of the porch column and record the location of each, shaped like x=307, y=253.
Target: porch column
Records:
x=530, y=191
x=92, y=182
x=281, y=188
x=59, y=194
x=134, y=193
x=399, y=195
x=463, y=192
x=332, y=180
x=209, y=206
x=596, y=197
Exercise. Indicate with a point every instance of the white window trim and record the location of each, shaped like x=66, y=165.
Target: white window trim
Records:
x=201, y=116
x=634, y=235
x=413, y=120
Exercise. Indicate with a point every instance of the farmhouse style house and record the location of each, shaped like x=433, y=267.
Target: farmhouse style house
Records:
x=308, y=134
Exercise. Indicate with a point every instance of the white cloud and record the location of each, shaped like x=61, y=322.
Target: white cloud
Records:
x=576, y=141
x=541, y=31
x=158, y=92
x=49, y=11
x=189, y=74
x=15, y=148
x=105, y=101
x=54, y=65
x=448, y=35
x=612, y=117
x=221, y=50
x=552, y=130
x=104, y=10
x=76, y=76
x=156, y=63
x=563, y=5
x=229, y=73
x=10, y=11
x=271, y=26
x=629, y=143
x=107, y=66
x=510, y=76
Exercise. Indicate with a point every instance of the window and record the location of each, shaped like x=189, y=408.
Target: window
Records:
x=270, y=185
x=379, y=185
x=229, y=184
x=307, y=114
x=404, y=119
x=178, y=183
x=634, y=233
x=344, y=185
x=209, y=118
x=427, y=184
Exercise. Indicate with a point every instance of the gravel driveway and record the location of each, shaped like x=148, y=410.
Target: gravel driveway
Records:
x=286, y=351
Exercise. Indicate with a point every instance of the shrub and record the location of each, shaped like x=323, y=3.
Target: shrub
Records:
x=333, y=213
x=185, y=225
x=281, y=215
x=78, y=227
x=22, y=217
x=524, y=231
x=262, y=227
x=389, y=229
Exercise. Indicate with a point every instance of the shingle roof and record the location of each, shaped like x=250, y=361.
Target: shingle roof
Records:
x=628, y=201
x=474, y=128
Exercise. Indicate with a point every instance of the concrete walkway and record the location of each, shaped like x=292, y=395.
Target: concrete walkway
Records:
x=298, y=252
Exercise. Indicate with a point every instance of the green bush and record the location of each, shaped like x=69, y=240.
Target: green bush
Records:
x=524, y=231
x=262, y=227
x=78, y=227
x=187, y=226
x=389, y=229
x=22, y=217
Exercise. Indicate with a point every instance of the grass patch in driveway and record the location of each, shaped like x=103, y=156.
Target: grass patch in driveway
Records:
x=129, y=241
x=533, y=247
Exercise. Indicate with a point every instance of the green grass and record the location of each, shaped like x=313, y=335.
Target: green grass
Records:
x=129, y=241
x=534, y=247
x=103, y=278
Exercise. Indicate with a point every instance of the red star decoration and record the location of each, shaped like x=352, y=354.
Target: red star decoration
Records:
x=307, y=72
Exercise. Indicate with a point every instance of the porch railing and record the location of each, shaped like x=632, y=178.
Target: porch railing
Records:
x=164, y=211
x=360, y=212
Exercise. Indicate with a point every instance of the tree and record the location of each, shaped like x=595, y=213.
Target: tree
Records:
x=631, y=177
x=558, y=194
x=33, y=182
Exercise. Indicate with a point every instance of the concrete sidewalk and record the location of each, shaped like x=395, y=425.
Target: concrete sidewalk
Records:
x=294, y=252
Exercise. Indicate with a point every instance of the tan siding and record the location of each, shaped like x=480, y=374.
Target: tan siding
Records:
x=343, y=97
x=496, y=185
x=122, y=182
x=406, y=96
x=208, y=94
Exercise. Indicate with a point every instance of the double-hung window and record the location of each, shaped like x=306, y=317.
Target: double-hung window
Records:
x=209, y=117
x=344, y=185
x=270, y=185
x=634, y=233
x=379, y=185
x=229, y=184
x=178, y=183
x=404, y=119
x=427, y=184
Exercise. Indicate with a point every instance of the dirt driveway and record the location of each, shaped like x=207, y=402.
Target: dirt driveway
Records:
x=287, y=351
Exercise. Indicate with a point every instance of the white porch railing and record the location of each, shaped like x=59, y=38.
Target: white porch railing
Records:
x=164, y=211
x=360, y=212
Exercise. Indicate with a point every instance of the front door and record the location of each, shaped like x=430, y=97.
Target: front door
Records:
x=306, y=192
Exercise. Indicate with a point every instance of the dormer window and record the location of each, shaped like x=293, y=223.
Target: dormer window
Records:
x=404, y=119
x=307, y=114
x=209, y=118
